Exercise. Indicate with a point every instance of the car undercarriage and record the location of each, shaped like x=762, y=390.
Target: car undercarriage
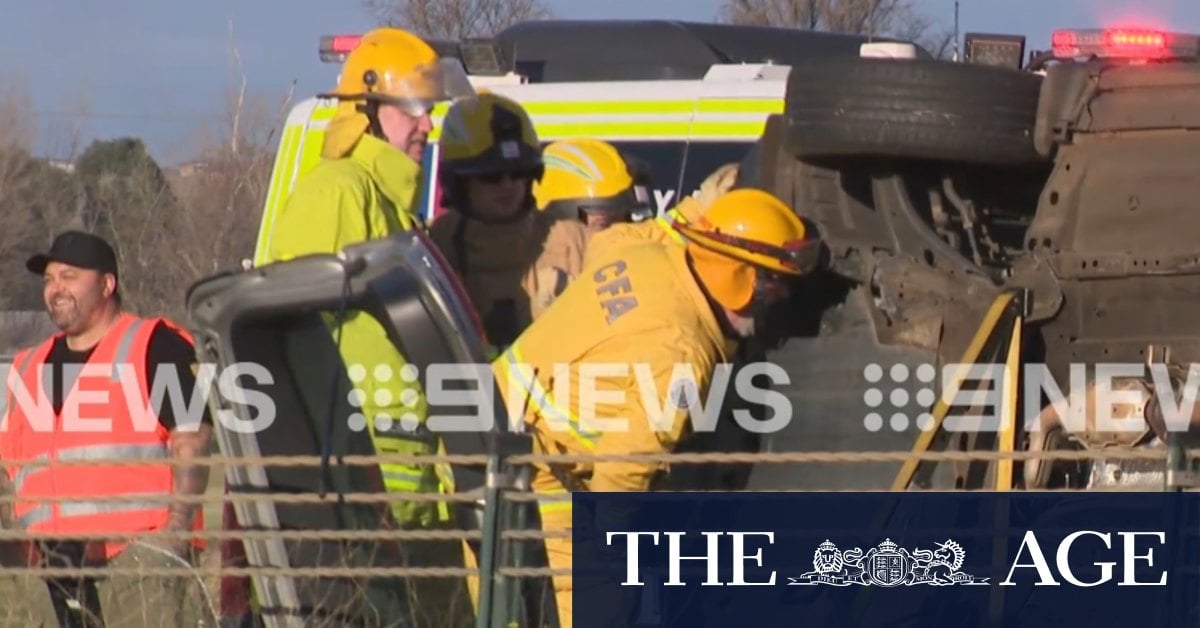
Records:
x=1071, y=187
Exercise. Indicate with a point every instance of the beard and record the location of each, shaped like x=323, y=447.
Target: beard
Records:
x=64, y=311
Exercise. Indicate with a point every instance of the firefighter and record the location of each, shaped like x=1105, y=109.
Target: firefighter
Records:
x=728, y=436
x=513, y=260
x=366, y=187
x=588, y=180
x=642, y=302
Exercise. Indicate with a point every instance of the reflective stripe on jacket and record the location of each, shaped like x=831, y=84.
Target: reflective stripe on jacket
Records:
x=667, y=223
x=106, y=415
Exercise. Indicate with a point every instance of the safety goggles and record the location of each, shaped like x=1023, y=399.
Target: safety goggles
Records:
x=797, y=255
x=621, y=207
x=494, y=178
x=444, y=80
x=627, y=203
x=417, y=92
x=417, y=108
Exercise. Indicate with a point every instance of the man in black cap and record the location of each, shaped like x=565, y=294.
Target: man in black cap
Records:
x=80, y=290
x=103, y=348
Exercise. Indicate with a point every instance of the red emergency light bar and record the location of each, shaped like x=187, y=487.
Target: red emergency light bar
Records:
x=1124, y=43
x=334, y=48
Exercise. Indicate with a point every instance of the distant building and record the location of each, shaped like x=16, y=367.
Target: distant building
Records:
x=62, y=164
x=190, y=168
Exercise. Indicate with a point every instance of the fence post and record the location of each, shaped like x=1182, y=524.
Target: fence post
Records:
x=1180, y=472
x=496, y=603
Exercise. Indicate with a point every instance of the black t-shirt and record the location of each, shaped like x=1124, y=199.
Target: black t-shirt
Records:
x=166, y=347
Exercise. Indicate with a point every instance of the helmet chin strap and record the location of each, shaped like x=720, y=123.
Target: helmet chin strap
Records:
x=370, y=109
x=759, y=310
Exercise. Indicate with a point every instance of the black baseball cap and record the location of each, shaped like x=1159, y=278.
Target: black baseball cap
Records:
x=79, y=249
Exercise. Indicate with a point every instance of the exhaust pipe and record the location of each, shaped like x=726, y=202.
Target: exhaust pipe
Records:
x=1083, y=425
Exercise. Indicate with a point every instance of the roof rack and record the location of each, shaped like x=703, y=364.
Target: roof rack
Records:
x=554, y=51
x=557, y=51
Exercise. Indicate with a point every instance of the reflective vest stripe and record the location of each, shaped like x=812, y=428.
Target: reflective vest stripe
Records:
x=399, y=477
x=124, y=345
x=544, y=403
x=402, y=481
x=558, y=505
x=67, y=509
x=91, y=452
x=667, y=221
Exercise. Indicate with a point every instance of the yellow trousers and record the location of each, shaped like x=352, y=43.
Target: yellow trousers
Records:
x=556, y=518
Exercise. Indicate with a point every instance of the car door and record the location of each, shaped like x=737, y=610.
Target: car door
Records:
x=270, y=325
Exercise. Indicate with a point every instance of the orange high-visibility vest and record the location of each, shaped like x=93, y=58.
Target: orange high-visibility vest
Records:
x=32, y=431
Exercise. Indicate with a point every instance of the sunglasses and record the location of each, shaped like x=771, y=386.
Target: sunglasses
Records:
x=493, y=178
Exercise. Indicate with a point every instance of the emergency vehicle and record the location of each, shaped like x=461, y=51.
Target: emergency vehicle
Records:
x=683, y=98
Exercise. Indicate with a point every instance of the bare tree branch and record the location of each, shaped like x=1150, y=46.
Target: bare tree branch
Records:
x=241, y=97
x=879, y=18
x=939, y=43
x=455, y=19
x=38, y=196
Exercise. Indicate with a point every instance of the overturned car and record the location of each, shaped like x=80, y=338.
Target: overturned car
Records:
x=940, y=187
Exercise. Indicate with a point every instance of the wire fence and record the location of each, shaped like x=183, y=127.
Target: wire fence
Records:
x=271, y=547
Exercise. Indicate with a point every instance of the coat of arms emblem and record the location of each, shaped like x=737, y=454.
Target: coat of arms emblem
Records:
x=888, y=565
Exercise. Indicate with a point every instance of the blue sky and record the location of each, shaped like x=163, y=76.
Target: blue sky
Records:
x=161, y=70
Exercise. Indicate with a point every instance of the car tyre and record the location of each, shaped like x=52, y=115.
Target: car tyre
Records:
x=912, y=108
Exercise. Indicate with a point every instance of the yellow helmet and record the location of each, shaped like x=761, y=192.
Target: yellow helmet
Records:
x=488, y=134
x=391, y=66
x=585, y=175
x=743, y=232
x=395, y=66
